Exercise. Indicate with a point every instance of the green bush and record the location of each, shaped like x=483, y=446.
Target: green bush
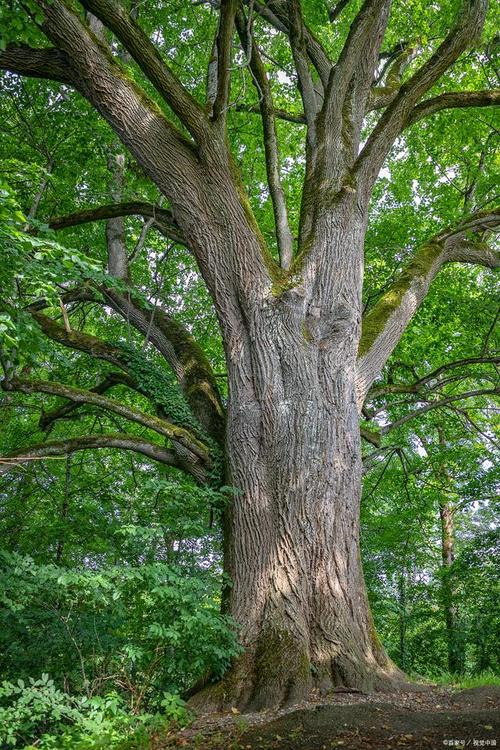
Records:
x=143, y=630
x=28, y=711
x=40, y=713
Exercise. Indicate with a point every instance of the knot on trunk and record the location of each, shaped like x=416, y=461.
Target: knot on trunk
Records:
x=325, y=327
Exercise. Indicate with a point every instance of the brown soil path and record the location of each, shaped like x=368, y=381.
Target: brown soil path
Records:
x=425, y=718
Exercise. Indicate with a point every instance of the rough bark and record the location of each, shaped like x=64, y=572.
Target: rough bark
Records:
x=293, y=451
x=291, y=337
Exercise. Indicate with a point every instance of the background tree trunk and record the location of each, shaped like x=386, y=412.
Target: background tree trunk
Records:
x=455, y=655
x=402, y=618
x=447, y=519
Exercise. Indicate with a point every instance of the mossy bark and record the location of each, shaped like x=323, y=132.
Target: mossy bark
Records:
x=292, y=547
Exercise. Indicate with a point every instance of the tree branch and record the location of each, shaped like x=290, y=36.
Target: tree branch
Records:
x=385, y=323
x=279, y=18
x=311, y=105
x=454, y=100
x=375, y=436
x=222, y=59
x=114, y=15
x=181, y=351
x=48, y=63
x=382, y=95
x=80, y=396
x=184, y=355
x=301, y=60
x=81, y=341
x=271, y=147
x=438, y=405
x=337, y=9
x=464, y=33
x=164, y=221
x=417, y=386
x=135, y=117
x=173, y=341
x=280, y=114
x=47, y=419
x=358, y=58
x=116, y=440
x=335, y=132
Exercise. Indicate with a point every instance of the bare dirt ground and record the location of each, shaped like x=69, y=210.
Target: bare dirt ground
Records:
x=427, y=718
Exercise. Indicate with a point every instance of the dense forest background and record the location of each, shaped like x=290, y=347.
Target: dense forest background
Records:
x=110, y=564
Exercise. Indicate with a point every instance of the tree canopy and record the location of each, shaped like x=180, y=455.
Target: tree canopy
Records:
x=125, y=303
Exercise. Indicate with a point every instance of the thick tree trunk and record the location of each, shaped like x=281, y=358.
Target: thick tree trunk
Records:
x=292, y=547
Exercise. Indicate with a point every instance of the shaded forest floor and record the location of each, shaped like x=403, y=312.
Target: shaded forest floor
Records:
x=424, y=718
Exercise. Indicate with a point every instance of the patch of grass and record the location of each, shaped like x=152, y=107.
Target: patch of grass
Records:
x=462, y=682
x=486, y=679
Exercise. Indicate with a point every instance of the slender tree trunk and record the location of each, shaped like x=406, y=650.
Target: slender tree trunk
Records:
x=63, y=515
x=450, y=614
x=402, y=619
x=447, y=519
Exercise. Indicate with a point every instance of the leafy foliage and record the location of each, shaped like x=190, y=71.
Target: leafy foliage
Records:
x=53, y=719
x=111, y=564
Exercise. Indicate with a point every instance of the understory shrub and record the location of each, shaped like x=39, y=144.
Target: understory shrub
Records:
x=41, y=714
x=150, y=626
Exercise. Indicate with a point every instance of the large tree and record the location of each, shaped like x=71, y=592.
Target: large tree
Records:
x=301, y=357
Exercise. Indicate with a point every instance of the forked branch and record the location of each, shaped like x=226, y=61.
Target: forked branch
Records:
x=385, y=323
x=82, y=396
x=466, y=30
x=116, y=18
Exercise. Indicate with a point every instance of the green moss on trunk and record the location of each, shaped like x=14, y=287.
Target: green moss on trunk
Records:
x=418, y=268
x=282, y=669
